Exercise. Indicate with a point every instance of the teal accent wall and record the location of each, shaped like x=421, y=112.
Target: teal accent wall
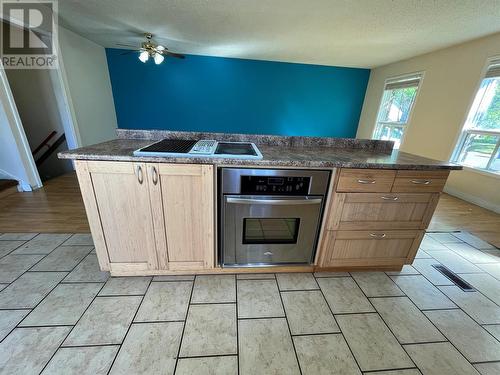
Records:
x=214, y=94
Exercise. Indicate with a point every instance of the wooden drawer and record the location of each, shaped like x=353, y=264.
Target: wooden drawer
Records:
x=367, y=211
x=370, y=248
x=365, y=180
x=420, y=181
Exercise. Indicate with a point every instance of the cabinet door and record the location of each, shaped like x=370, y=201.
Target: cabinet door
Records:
x=184, y=195
x=122, y=197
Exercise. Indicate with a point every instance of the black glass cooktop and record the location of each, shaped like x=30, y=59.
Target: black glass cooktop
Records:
x=235, y=149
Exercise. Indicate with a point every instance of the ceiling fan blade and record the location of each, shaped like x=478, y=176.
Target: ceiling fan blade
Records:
x=129, y=52
x=126, y=45
x=173, y=54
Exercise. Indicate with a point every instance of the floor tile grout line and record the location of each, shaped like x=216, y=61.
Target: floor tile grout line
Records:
x=130, y=324
x=447, y=309
x=14, y=249
x=383, y=321
x=62, y=346
x=46, y=295
x=208, y=356
x=475, y=248
x=44, y=256
x=317, y=334
x=263, y=317
x=184, y=326
x=71, y=330
x=338, y=325
x=485, y=362
x=289, y=329
x=390, y=370
x=156, y=321
x=298, y=290
x=39, y=302
x=45, y=326
x=456, y=308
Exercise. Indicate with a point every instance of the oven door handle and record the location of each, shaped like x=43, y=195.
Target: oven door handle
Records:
x=275, y=202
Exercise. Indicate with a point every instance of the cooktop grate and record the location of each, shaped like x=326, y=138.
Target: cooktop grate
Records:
x=171, y=145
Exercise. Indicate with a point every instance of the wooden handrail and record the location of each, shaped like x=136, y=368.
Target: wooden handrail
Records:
x=51, y=149
x=44, y=142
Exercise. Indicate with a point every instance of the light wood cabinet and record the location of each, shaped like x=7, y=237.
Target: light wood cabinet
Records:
x=185, y=194
x=148, y=216
x=365, y=180
x=366, y=211
x=370, y=248
x=420, y=181
x=377, y=218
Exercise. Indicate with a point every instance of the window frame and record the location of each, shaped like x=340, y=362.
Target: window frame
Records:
x=465, y=133
x=406, y=125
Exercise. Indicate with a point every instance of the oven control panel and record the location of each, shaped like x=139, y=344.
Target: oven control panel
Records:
x=275, y=185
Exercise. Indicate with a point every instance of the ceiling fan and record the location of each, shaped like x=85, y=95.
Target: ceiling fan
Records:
x=151, y=49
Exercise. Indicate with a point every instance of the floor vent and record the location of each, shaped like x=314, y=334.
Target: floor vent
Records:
x=454, y=277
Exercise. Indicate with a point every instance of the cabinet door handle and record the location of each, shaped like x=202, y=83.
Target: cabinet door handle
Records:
x=140, y=176
x=155, y=175
x=386, y=198
x=366, y=182
x=377, y=235
x=421, y=182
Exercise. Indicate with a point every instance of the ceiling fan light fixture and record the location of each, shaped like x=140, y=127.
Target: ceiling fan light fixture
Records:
x=144, y=56
x=158, y=57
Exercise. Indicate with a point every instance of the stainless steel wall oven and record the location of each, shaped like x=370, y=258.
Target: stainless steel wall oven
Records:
x=269, y=216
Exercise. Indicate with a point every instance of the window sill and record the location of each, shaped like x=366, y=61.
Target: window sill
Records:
x=481, y=171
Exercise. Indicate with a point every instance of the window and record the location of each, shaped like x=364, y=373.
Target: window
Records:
x=395, y=108
x=478, y=145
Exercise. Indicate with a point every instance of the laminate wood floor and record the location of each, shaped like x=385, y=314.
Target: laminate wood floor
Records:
x=58, y=208
x=453, y=214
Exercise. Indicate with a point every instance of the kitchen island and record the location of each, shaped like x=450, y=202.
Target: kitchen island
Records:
x=158, y=215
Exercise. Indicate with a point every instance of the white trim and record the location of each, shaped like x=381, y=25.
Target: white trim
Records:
x=472, y=199
x=22, y=186
x=16, y=127
x=408, y=123
x=459, y=135
x=71, y=128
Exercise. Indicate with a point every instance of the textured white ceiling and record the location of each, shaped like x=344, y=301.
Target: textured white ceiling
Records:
x=359, y=33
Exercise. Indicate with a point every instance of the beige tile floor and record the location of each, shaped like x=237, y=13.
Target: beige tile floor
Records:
x=59, y=314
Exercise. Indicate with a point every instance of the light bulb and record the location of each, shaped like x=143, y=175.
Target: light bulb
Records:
x=144, y=56
x=158, y=58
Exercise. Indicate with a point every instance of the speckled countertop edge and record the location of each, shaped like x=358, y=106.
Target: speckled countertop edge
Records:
x=276, y=154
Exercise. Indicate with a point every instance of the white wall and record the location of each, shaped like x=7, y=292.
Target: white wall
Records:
x=16, y=162
x=451, y=79
x=85, y=72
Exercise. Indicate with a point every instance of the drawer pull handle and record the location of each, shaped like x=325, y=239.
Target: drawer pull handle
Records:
x=140, y=177
x=421, y=182
x=389, y=198
x=366, y=182
x=377, y=235
x=155, y=175
x=268, y=253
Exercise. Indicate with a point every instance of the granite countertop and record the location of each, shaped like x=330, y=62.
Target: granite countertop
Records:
x=300, y=152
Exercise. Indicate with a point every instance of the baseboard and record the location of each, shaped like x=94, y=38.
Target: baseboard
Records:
x=473, y=199
x=23, y=186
